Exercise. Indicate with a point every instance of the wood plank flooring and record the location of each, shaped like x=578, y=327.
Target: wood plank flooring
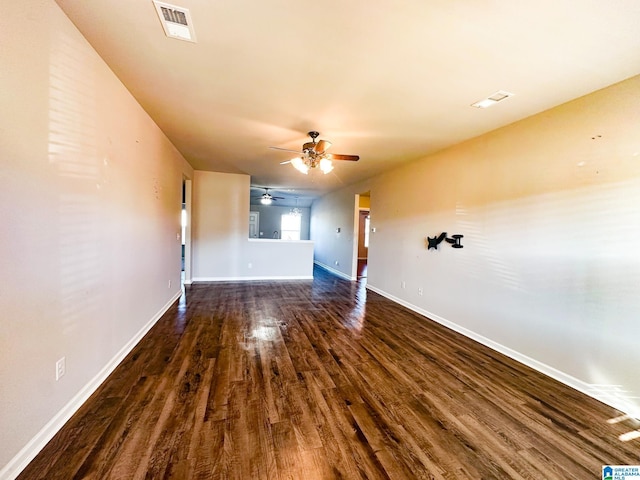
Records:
x=324, y=380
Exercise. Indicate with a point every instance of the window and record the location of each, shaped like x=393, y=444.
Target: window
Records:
x=290, y=227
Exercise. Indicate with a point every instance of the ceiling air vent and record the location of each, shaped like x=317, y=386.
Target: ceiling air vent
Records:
x=176, y=21
x=493, y=99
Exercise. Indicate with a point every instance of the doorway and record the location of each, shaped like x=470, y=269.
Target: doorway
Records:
x=361, y=236
x=185, y=222
x=363, y=242
x=254, y=224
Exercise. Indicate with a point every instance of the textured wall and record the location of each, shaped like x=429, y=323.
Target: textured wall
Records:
x=550, y=212
x=90, y=198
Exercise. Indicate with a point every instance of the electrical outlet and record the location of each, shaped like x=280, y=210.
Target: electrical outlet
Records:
x=420, y=291
x=61, y=368
x=169, y=284
x=337, y=263
x=403, y=284
x=250, y=265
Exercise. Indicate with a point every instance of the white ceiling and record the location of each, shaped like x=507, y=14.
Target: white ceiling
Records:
x=390, y=81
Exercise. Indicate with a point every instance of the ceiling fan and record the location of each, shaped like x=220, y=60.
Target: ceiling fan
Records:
x=314, y=154
x=266, y=198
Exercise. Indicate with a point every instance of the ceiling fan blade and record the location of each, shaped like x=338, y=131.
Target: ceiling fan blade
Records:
x=338, y=156
x=278, y=198
x=322, y=146
x=287, y=150
x=284, y=163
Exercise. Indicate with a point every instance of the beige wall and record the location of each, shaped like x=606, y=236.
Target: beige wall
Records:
x=220, y=235
x=286, y=259
x=550, y=212
x=333, y=249
x=220, y=227
x=90, y=194
x=330, y=212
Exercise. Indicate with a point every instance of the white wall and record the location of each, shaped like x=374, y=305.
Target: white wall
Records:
x=221, y=248
x=550, y=212
x=279, y=259
x=90, y=193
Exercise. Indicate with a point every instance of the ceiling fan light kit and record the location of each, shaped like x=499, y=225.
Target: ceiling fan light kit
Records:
x=314, y=155
x=325, y=165
x=296, y=212
x=300, y=165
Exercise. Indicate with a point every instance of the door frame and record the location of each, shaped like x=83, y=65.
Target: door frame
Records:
x=356, y=232
x=187, y=233
x=257, y=223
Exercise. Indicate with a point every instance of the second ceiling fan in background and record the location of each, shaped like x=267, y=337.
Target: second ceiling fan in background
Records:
x=266, y=198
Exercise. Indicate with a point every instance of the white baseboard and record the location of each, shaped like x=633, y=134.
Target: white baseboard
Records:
x=607, y=394
x=333, y=271
x=243, y=279
x=20, y=461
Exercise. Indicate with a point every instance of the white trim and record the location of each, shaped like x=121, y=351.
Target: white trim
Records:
x=278, y=240
x=600, y=393
x=188, y=282
x=20, y=461
x=242, y=279
x=333, y=271
x=188, y=250
x=355, y=236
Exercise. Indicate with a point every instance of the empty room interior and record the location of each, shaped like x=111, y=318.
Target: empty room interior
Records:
x=350, y=240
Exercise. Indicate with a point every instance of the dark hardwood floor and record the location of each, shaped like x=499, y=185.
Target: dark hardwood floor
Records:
x=324, y=380
x=362, y=268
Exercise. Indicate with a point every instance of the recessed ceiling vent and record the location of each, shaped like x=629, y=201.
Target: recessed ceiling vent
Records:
x=176, y=21
x=499, y=96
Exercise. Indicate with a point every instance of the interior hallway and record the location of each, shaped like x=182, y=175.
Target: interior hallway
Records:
x=322, y=379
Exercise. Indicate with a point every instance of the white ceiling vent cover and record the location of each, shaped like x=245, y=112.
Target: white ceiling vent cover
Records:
x=493, y=99
x=176, y=21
